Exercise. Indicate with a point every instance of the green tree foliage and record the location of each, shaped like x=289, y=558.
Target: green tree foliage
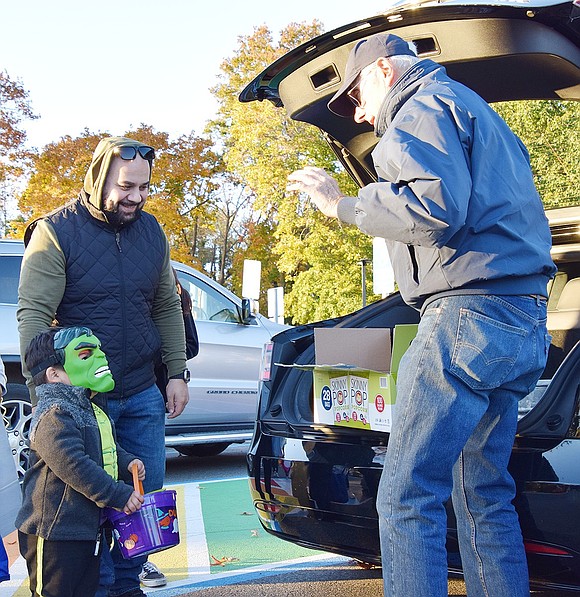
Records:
x=256, y=243
x=314, y=258
x=549, y=129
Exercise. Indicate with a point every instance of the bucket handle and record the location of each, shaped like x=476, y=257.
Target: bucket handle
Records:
x=137, y=484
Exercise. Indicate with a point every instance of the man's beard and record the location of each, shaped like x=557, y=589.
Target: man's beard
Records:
x=118, y=219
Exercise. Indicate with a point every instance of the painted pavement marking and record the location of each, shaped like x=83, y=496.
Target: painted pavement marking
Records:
x=222, y=541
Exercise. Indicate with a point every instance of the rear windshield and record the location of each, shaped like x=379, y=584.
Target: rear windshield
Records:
x=9, y=275
x=549, y=129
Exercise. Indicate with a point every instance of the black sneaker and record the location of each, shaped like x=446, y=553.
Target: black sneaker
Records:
x=151, y=576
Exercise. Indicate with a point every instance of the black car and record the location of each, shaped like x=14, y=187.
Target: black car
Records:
x=315, y=485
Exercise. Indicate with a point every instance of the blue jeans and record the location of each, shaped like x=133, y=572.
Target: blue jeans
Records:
x=140, y=424
x=458, y=387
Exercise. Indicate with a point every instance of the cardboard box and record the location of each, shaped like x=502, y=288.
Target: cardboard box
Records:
x=355, y=375
x=367, y=348
x=353, y=397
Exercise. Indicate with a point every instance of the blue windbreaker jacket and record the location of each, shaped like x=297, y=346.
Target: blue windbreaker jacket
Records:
x=455, y=201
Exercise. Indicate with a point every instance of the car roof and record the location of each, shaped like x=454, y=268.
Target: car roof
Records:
x=11, y=247
x=209, y=281
x=504, y=51
x=16, y=247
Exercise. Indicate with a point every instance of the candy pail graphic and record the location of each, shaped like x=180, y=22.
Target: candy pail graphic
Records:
x=152, y=528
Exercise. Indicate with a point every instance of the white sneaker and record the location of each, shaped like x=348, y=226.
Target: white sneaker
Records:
x=151, y=576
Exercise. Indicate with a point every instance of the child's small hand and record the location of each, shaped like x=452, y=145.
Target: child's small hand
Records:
x=133, y=503
x=140, y=468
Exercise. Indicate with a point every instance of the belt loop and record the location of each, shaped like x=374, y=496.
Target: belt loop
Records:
x=539, y=299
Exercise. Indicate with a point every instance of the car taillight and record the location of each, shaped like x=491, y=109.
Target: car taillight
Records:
x=543, y=549
x=266, y=364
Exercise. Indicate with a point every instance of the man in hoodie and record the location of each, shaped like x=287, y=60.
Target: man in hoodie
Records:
x=470, y=246
x=103, y=262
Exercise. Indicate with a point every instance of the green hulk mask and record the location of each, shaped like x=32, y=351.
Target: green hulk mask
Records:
x=79, y=350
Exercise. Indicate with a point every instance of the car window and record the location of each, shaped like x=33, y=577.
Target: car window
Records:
x=9, y=276
x=545, y=127
x=207, y=303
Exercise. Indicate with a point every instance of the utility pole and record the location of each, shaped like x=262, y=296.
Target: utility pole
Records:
x=363, y=263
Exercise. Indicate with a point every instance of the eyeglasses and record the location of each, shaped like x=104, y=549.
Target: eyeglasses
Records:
x=353, y=93
x=129, y=152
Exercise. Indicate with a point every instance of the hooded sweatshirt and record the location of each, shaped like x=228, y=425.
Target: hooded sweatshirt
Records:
x=81, y=270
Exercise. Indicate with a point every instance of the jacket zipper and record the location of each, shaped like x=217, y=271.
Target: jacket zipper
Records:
x=122, y=301
x=97, y=543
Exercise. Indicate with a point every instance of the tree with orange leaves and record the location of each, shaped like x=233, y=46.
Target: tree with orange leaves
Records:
x=14, y=108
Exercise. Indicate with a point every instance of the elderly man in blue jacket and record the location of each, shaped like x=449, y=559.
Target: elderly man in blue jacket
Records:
x=470, y=246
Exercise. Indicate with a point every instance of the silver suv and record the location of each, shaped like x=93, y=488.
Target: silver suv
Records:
x=223, y=390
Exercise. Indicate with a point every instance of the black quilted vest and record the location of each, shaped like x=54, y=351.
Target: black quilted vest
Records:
x=111, y=278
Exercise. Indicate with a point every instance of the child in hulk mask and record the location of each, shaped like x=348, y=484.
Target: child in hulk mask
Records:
x=74, y=465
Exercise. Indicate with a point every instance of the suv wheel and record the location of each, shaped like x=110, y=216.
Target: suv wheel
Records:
x=18, y=413
x=202, y=450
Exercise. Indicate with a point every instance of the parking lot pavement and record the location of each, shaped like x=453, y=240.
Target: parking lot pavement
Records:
x=223, y=545
x=313, y=577
x=220, y=536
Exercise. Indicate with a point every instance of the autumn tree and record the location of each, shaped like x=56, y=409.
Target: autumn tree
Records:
x=185, y=198
x=317, y=259
x=58, y=173
x=15, y=107
x=184, y=186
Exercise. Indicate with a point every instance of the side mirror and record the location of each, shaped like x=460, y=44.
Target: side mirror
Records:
x=246, y=311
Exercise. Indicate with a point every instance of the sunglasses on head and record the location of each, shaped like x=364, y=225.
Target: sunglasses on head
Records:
x=129, y=152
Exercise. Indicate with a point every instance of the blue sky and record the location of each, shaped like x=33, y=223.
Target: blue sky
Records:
x=111, y=64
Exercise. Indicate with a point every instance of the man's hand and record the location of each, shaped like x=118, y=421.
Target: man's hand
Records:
x=177, y=397
x=320, y=186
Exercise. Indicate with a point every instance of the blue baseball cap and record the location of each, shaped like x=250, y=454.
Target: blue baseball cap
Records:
x=364, y=53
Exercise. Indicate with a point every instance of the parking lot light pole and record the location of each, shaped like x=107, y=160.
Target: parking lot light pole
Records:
x=363, y=263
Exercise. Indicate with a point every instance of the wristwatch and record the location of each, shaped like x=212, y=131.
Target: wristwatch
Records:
x=185, y=375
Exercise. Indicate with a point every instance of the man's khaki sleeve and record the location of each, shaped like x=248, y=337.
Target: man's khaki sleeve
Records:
x=168, y=319
x=41, y=288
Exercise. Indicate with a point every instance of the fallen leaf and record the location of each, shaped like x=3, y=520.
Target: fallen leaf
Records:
x=222, y=561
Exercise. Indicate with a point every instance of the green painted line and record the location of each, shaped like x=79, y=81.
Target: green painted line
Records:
x=233, y=531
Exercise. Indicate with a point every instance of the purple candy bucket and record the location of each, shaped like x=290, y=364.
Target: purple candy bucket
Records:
x=150, y=529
